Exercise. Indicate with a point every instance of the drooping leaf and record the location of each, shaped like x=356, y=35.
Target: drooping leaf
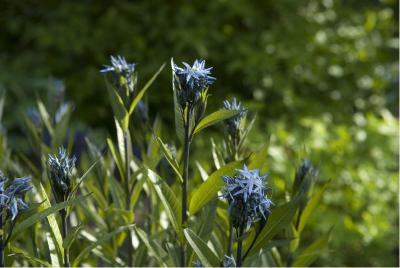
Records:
x=205, y=254
x=20, y=227
x=209, y=189
x=214, y=118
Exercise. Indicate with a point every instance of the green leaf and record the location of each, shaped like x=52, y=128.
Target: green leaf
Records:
x=55, y=261
x=310, y=254
x=45, y=117
x=118, y=106
x=170, y=158
x=99, y=242
x=209, y=189
x=72, y=235
x=168, y=198
x=54, y=228
x=177, y=110
x=205, y=254
x=80, y=180
x=26, y=255
x=155, y=250
x=214, y=118
x=117, y=158
x=311, y=206
x=139, y=96
x=19, y=228
x=279, y=219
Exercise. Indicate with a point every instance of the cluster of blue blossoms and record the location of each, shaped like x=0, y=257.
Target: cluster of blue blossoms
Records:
x=60, y=173
x=246, y=195
x=122, y=71
x=233, y=123
x=191, y=81
x=11, y=196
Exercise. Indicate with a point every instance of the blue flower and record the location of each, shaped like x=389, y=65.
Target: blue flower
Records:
x=11, y=197
x=192, y=80
x=246, y=195
x=122, y=71
x=233, y=123
x=61, y=168
x=118, y=65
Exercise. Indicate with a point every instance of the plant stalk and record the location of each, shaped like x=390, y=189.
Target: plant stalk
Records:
x=230, y=239
x=64, y=223
x=1, y=241
x=240, y=246
x=185, y=184
x=127, y=193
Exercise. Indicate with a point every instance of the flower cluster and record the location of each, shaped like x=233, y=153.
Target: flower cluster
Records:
x=246, y=195
x=192, y=81
x=11, y=197
x=233, y=123
x=60, y=169
x=122, y=71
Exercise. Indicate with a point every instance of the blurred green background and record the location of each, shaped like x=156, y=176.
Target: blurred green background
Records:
x=322, y=77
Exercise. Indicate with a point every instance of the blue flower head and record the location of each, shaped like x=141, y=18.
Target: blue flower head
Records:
x=11, y=196
x=246, y=195
x=229, y=261
x=192, y=81
x=122, y=71
x=60, y=172
x=233, y=123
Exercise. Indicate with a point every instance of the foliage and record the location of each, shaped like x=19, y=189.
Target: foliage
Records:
x=320, y=75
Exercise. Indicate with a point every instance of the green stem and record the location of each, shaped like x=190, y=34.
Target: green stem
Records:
x=127, y=193
x=240, y=246
x=230, y=239
x=185, y=184
x=64, y=223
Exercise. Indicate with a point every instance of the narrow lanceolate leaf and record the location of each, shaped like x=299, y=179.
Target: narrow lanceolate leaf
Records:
x=55, y=230
x=214, y=118
x=209, y=189
x=311, y=206
x=205, y=254
x=80, y=180
x=45, y=117
x=177, y=111
x=19, y=228
x=26, y=255
x=139, y=96
x=280, y=218
x=104, y=238
x=118, y=106
x=170, y=158
x=169, y=200
x=155, y=250
x=55, y=262
x=71, y=236
x=311, y=253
